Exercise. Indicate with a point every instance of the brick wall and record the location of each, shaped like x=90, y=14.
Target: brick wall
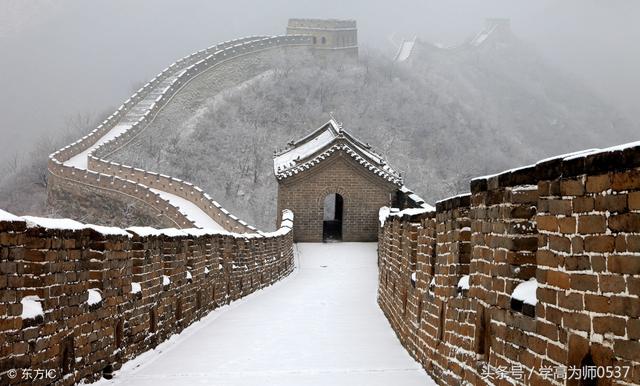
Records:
x=122, y=185
x=571, y=224
x=81, y=341
x=363, y=194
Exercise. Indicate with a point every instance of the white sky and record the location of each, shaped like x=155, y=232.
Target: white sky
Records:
x=66, y=57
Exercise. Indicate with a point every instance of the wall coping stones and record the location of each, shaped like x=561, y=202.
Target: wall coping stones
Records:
x=590, y=161
x=461, y=200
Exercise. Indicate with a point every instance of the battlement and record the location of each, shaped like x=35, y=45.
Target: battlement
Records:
x=536, y=268
x=325, y=24
x=328, y=34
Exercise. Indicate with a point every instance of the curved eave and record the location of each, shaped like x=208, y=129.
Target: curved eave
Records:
x=388, y=175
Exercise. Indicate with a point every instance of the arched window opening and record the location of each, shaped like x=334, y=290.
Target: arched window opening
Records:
x=589, y=376
x=315, y=40
x=323, y=40
x=332, y=220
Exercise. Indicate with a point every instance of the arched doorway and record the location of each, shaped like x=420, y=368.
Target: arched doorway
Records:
x=332, y=220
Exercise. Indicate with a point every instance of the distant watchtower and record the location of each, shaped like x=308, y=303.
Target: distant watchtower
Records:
x=330, y=34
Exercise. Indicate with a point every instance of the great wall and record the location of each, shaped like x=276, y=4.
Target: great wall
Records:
x=454, y=282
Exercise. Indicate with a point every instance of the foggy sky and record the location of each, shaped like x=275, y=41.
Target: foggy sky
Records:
x=61, y=58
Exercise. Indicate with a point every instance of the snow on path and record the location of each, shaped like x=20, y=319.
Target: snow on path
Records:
x=191, y=210
x=81, y=160
x=405, y=50
x=320, y=326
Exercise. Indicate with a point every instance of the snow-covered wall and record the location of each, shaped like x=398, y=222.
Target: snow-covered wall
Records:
x=82, y=171
x=548, y=256
x=81, y=299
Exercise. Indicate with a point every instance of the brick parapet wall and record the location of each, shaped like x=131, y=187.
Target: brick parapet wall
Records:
x=185, y=71
x=81, y=341
x=572, y=223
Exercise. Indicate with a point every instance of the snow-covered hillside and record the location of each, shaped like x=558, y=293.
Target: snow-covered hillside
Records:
x=441, y=117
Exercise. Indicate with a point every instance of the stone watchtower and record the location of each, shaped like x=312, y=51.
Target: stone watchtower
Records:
x=336, y=35
x=335, y=185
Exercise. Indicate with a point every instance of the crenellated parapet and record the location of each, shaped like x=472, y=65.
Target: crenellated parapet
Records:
x=79, y=300
x=533, y=273
x=83, y=168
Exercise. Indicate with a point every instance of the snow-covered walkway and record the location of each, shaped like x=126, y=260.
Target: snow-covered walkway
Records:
x=319, y=326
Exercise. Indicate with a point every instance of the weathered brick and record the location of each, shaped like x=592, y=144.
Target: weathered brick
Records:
x=611, y=203
x=558, y=279
x=597, y=303
x=592, y=224
x=567, y=224
x=628, y=264
x=634, y=200
x=627, y=180
x=584, y=282
x=627, y=349
x=557, y=207
x=559, y=243
x=577, y=263
x=571, y=187
x=628, y=222
x=599, y=243
x=611, y=283
x=599, y=183
x=583, y=204
x=572, y=301
x=609, y=324
x=547, y=223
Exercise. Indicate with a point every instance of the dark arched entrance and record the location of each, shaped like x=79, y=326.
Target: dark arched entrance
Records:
x=332, y=220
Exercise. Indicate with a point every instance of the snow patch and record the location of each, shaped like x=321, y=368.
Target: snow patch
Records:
x=165, y=280
x=6, y=216
x=463, y=283
x=53, y=223
x=95, y=296
x=526, y=292
x=136, y=288
x=405, y=50
x=189, y=276
x=190, y=210
x=31, y=307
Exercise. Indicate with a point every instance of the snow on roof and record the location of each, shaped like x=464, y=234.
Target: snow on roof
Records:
x=320, y=144
x=526, y=292
x=31, y=307
x=6, y=216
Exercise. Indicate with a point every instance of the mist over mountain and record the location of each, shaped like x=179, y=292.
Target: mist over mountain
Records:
x=442, y=116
